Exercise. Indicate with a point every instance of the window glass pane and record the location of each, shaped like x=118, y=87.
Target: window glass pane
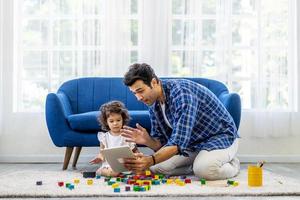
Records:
x=243, y=6
x=134, y=6
x=183, y=32
x=244, y=63
x=33, y=95
x=274, y=22
x=36, y=7
x=208, y=66
x=176, y=60
x=35, y=33
x=133, y=56
x=180, y=7
x=177, y=32
x=244, y=32
x=92, y=32
x=275, y=63
x=64, y=32
x=179, y=64
x=209, y=32
x=245, y=89
x=92, y=7
x=177, y=6
x=209, y=7
x=275, y=94
x=65, y=7
x=35, y=65
x=63, y=62
x=91, y=63
x=134, y=32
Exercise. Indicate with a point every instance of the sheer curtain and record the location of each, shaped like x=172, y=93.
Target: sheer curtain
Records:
x=115, y=32
x=154, y=34
x=1, y=66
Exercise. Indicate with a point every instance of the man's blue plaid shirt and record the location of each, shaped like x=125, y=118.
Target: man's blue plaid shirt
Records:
x=199, y=120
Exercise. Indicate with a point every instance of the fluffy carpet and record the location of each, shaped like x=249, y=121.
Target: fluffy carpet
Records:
x=23, y=184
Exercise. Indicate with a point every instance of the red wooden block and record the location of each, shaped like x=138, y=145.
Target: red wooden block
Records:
x=187, y=180
x=60, y=184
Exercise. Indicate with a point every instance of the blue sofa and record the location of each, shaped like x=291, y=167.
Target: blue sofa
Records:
x=71, y=113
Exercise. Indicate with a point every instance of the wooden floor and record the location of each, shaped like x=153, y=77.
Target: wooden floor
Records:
x=290, y=170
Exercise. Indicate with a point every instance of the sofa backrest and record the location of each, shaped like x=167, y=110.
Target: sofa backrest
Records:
x=87, y=94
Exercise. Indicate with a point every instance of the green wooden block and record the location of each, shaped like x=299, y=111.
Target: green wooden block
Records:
x=203, y=181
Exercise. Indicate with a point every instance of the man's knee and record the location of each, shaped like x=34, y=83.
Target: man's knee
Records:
x=207, y=170
x=161, y=169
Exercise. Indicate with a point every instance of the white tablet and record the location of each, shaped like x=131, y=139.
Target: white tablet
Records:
x=114, y=156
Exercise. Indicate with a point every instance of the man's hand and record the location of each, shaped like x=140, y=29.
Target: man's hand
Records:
x=137, y=135
x=138, y=164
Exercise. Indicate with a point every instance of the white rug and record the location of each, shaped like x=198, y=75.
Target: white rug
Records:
x=23, y=184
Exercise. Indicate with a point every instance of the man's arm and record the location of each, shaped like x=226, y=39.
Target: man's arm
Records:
x=154, y=144
x=165, y=153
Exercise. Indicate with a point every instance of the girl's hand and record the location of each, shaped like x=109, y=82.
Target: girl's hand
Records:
x=96, y=160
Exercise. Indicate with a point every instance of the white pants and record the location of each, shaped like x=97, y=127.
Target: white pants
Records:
x=211, y=165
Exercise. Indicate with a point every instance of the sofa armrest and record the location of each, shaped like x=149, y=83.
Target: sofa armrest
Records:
x=57, y=110
x=232, y=103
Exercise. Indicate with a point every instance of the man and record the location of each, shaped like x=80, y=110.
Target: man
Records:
x=191, y=131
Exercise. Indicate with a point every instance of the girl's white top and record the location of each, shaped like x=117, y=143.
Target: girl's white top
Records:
x=109, y=141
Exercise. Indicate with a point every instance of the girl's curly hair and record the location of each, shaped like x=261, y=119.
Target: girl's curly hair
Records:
x=112, y=107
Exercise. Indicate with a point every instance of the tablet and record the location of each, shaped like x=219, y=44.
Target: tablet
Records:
x=114, y=156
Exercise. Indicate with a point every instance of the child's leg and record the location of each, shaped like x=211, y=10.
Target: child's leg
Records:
x=107, y=171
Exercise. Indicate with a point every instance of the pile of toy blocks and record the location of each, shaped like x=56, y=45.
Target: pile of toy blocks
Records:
x=143, y=182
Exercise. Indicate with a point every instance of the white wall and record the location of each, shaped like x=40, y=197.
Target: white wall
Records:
x=24, y=137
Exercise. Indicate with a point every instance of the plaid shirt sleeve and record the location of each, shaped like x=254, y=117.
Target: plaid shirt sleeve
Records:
x=156, y=132
x=185, y=115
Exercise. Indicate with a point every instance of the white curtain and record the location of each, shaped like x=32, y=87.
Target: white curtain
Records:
x=263, y=124
x=154, y=34
x=115, y=34
x=1, y=66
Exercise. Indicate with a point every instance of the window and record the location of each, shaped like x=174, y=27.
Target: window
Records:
x=247, y=44
x=62, y=39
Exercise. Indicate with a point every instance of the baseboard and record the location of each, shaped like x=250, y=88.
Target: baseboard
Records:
x=244, y=158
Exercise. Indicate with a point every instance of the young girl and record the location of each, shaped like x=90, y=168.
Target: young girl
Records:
x=113, y=116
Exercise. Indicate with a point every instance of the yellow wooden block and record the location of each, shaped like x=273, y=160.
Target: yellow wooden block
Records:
x=181, y=183
x=235, y=183
x=90, y=182
x=169, y=181
x=115, y=185
x=76, y=181
x=177, y=180
x=156, y=177
x=148, y=173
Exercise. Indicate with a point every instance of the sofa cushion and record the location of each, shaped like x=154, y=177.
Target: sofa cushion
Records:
x=86, y=122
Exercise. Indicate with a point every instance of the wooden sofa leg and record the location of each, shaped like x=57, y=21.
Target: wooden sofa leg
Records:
x=68, y=155
x=75, y=159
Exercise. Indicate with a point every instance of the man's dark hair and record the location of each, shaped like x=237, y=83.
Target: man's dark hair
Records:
x=139, y=71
